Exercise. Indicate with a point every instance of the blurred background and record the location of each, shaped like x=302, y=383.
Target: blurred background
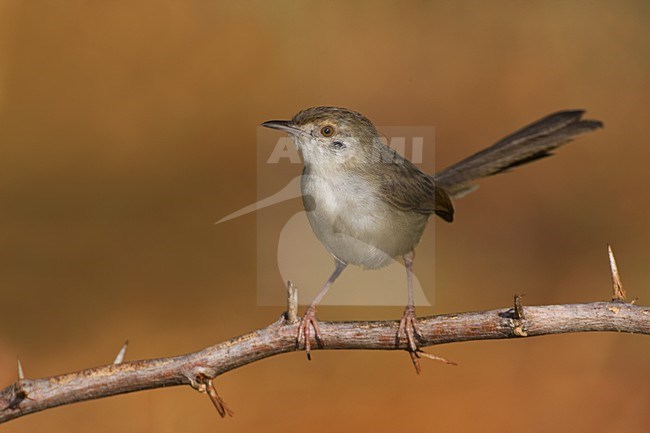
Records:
x=128, y=128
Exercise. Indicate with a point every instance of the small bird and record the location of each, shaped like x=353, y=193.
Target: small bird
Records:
x=368, y=205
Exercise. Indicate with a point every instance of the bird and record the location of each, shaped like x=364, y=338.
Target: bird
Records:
x=369, y=205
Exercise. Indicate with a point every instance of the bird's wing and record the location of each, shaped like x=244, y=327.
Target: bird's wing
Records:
x=407, y=188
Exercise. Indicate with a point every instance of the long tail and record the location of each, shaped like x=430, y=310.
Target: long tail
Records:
x=528, y=144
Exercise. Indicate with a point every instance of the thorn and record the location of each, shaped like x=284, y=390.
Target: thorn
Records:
x=217, y=401
x=617, y=286
x=120, y=355
x=21, y=373
x=292, y=303
x=18, y=393
x=518, y=322
x=519, y=309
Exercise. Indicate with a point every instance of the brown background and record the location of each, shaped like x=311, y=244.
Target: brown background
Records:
x=128, y=128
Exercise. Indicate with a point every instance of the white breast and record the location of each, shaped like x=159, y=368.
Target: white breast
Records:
x=352, y=222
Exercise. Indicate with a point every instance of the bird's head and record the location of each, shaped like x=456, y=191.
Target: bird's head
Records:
x=330, y=137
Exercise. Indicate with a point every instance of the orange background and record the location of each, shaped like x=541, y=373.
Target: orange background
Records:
x=128, y=128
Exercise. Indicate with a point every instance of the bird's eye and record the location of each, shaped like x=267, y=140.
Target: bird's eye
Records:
x=327, y=131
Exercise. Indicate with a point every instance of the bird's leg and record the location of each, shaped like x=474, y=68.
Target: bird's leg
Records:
x=309, y=318
x=409, y=323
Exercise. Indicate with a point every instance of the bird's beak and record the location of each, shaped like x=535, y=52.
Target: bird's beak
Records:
x=283, y=125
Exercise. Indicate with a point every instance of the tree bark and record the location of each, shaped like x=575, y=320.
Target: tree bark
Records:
x=199, y=368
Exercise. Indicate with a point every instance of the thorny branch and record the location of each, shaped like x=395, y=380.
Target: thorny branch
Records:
x=199, y=369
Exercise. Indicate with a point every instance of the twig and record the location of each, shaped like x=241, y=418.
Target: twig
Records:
x=33, y=395
x=292, y=303
x=519, y=327
x=198, y=369
x=217, y=401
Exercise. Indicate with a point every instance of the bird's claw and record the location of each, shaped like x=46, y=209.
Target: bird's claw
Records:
x=409, y=326
x=308, y=321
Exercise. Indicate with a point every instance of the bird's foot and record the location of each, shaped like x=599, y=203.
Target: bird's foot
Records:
x=415, y=358
x=308, y=321
x=409, y=327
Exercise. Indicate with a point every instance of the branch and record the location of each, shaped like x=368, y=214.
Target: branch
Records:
x=198, y=369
